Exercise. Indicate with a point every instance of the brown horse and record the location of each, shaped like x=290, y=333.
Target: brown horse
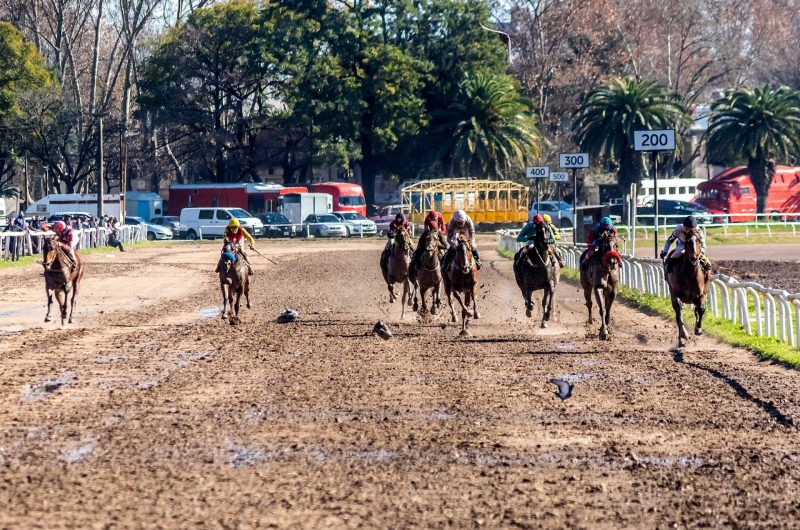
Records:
x=688, y=284
x=396, y=269
x=601, y=276
x=429, y=273
x=234, y=278
x=59, y=279
x=462, y=277
x=536, y=269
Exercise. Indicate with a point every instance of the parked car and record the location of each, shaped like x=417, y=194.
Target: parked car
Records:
x=551, y=208
x=277, y=225
x=153, y=231
x=356, y=224
x=673, y=212
x=172, y=222
x=211, y=222
x=325, y=225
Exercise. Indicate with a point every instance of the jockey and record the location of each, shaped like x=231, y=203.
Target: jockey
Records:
x=539, y=222
x=549, y=221
x=68, y=240
x=236, y=234
x=593, y=239
x=395, y=226
x=461, y=224
x=434, y=222
x=680, y=234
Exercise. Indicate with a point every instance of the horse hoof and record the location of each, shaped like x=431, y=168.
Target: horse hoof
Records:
x=433, y=310
x=48, y=319
x=604, y=334
x=528, y=313
x=477, y=316
x=391, y=300
x=248, y=305
x=464, y=333
x=698, y=332
x=544, y=324
x=70, y=321
x=234, y=321
x=416, y=307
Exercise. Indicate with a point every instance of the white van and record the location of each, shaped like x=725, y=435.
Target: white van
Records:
x=211, y=222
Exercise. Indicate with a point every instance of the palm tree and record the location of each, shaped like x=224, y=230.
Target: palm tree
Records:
x=488, y=130
x=755, y=126
x=605, y=122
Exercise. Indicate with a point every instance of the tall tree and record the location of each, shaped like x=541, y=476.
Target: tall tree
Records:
x=605, y=122
x=759, y=126
x=488, y=131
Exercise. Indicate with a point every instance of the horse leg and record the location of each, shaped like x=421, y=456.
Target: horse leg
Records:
x=411, y=287
x=448, y=290
x=61, y=298
x=699, y=311
x=247, y=290
x=75, y=286
x=392, y=296
x=464, y=312
x=682, y=335
x=527, y=295
x=587, y=294
x=546, y=298
x=404, y=299
x=224, y=300
x=475, y=313
x=599, y=298
x=49, y=304
x=418, y=292
x=423, y=291
x=610, y=296
x=464, y=306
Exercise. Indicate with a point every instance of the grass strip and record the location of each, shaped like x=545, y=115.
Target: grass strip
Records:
x=765, y=347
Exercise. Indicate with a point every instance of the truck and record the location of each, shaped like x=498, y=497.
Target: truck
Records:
x=732, y=192
x=298, y=206
x=254, y=197
x=143, y=204
x=74, y=202
x=346, y=197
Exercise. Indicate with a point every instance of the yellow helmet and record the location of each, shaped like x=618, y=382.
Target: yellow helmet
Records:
x=547, y=218
x=233, y=223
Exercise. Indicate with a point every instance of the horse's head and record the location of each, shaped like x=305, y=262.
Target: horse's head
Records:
x=608, y=249
x=432, y=243
x=464, y=254
x=49, y=253
x=402, y=238
x=692, y=248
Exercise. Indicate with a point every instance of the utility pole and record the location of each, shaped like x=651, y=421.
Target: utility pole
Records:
x=100, y=116
x=25, y=191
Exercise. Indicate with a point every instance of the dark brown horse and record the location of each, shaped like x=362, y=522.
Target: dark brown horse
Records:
x=234, y=279
x=462, y=277
x=601, y=277
x=396, y=269
x=688, y=284
x=59, y=280
x=536, y=269
x=429, y=272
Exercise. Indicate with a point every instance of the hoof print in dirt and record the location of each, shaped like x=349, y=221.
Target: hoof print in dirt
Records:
x=288, y=315
x=382, y=330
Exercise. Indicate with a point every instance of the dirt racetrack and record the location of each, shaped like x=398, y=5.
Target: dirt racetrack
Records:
x=154, y=413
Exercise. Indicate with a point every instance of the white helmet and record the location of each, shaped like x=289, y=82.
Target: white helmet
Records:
x=459, y=216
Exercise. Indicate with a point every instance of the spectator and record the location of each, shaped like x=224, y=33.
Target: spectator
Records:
x=14, y=243
x=113, y=236
x=36, y=241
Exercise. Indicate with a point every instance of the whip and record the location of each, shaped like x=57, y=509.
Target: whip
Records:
x=263, y=256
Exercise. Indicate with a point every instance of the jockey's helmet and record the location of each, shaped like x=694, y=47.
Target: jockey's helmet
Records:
x=233, y=223
x=689, y=223
x=547, y=218
x=59, y=227
x=460, y=216
x=432, y=216
x=399, y=218
x=606, y=222
x=538, y=218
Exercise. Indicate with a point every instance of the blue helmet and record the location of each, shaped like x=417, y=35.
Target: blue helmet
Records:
x=606, y=222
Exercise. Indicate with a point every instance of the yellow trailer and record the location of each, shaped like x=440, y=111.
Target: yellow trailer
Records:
x=485, y=201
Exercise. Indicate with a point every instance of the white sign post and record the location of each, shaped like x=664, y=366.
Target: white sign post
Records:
x=654, y=141
x=537, y=173
x=574, y=161
x=558, y=178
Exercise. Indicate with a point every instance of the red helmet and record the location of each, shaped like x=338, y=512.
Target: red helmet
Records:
x=538, y=218
x=432, y=216
x=59, y=227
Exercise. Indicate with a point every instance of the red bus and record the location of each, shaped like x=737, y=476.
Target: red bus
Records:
x=254, y=197
x=733, y=192
x=346, y=197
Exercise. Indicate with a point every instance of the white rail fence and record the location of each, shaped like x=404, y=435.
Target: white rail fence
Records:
x=759, y=310
x=16, y=244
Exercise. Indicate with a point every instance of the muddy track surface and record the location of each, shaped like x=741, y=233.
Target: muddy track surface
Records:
x=152, y=416
x=774, y=274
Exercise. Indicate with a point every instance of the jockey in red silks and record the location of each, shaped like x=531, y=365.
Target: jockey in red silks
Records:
x=395, y=226
x=68, y=240
x=434, y=222
x=236, y=234
x=593, y=238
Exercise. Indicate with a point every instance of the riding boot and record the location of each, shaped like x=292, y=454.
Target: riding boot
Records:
x=477, y=257
x=249, y=267
x=559, y=258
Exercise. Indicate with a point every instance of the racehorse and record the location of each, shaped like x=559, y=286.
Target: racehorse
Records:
x=688, y=284
x=601, y=276
x=396, y=269
x=461, y=276
x=429, y=273
x=234, y=278
x=535, y=269
x=59, y=280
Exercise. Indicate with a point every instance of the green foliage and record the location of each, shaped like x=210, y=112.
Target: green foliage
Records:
x=605, y=122
x=755, y=126
x=487, y=131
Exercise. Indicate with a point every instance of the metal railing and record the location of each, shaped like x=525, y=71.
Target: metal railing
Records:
x=759, y=310
x=28, y=242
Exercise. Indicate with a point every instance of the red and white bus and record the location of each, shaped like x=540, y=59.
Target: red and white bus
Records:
x=254, y=197
x=346, y=197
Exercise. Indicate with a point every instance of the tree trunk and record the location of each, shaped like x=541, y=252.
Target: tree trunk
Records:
x=761, y=173
x=367, y=170
x=630, y=169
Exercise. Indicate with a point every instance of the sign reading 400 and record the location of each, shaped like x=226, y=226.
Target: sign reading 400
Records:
x=573, y=160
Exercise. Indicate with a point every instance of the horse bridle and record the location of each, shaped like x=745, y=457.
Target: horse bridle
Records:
x=434, y=252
